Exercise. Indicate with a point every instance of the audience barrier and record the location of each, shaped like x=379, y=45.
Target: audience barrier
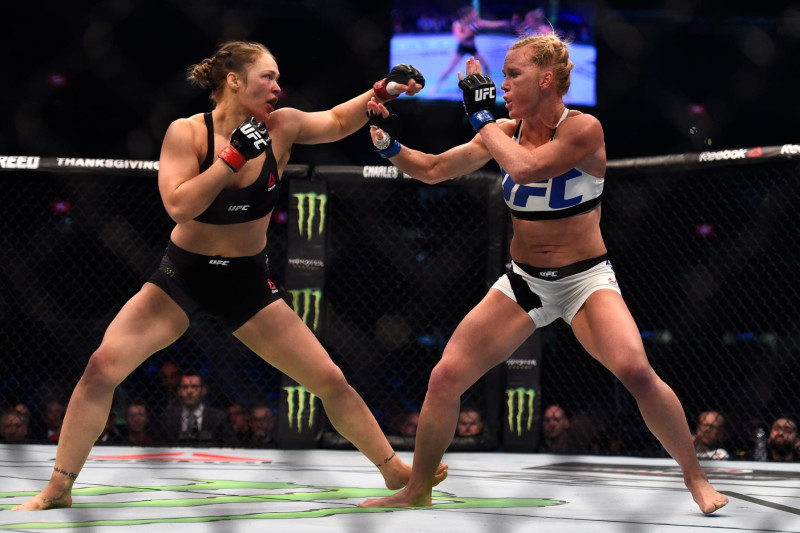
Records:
x=382, y=268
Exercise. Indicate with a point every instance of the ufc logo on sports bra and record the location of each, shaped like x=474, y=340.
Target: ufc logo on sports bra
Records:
x=556, y=187
x=251, y=132
x=483, y=94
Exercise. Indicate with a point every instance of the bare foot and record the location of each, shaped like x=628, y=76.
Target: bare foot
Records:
x=398, y=478
x=706, y=497
x=47, y=499
x=404, y=498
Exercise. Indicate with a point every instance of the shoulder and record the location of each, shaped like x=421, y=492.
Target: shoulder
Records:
x=216, y=414
x=285, y=122
x=508, y=125
x=190, y=127
x=581, y=127
x=282, y=116
x=582, y=121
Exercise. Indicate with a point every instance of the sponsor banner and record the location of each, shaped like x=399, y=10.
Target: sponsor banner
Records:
x=308, y=228
x=714, y=157
x=299, y=416
x=349, y=173
x=17, y=162
x=307, y=303
x=69, y=164
x=523, y=419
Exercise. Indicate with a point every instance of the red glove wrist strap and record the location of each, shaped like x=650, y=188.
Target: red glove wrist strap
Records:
x=233, y=158
x=380, y=91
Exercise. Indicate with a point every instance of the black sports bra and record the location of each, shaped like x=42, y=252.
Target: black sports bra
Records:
x=234, y=206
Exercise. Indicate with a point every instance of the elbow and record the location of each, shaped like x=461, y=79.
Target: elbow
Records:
x=432, y=179
x=524, y=175
x=179, y=216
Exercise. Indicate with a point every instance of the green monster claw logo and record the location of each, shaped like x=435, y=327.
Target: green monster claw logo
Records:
x=297, y=408
x=516, y=403
x=306, y=215
x=303, y=301
x=259, y=494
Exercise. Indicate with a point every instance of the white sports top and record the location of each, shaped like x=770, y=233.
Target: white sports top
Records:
x=572, y=193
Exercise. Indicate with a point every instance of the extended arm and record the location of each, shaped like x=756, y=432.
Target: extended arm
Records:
x=429, y=168
x=346, y=118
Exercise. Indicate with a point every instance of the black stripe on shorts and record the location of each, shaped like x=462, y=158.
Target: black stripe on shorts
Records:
x=526, y=299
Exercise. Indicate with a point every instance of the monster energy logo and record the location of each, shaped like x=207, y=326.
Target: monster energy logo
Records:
x=303, y=300
x=297, y=407
x=516, y=401
x=306, y=215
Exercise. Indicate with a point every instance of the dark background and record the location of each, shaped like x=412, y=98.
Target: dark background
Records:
x=105, y=78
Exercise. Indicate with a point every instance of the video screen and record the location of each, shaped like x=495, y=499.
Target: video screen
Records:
x=438, y=36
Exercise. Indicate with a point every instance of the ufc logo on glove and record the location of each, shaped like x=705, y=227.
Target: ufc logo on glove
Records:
x=250, y=131
x=483, y=94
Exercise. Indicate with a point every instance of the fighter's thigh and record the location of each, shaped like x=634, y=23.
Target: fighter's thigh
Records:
x=148, y=322
x=487, y=336
x=606, y=329
x=280, y=337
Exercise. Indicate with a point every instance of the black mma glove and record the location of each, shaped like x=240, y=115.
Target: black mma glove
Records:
x=386, y=89
x=249, y=140
x=479, y=94
x=391, y=126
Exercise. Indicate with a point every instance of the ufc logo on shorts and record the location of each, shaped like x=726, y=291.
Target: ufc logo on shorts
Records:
x=483, y=94
x=251, y=132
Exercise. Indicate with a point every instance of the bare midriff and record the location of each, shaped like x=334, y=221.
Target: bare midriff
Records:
x=557, y=243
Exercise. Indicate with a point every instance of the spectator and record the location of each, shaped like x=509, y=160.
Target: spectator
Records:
x=137, y=424
x=262, y=423
x=709, y=436
x=583, y=434
x=239, y=419
x=470, y=423
x=555, y=432
x=13, y=427
x=472, y=433
x=193, y=421
x=25, y=415
x=782, y=441
x=534, y=23
x=111, y=433
x=409, y=426
x=54, y=411
x=165, y=395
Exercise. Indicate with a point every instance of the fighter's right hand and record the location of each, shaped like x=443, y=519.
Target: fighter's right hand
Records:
x=248, y=141
x=385, y=128
x=479, y=97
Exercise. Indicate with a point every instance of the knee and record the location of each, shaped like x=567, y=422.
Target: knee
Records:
x=444, y=380
x=328, y=382
x=100, y=369
x=639, y=378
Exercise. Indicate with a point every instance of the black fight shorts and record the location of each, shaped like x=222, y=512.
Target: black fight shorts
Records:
x=232, y=289
x=466, y=49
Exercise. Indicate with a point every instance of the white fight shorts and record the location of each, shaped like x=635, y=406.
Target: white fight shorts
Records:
x=550, y=293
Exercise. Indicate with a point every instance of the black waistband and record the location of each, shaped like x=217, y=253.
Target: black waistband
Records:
x=549, y=273
x=184, y=258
